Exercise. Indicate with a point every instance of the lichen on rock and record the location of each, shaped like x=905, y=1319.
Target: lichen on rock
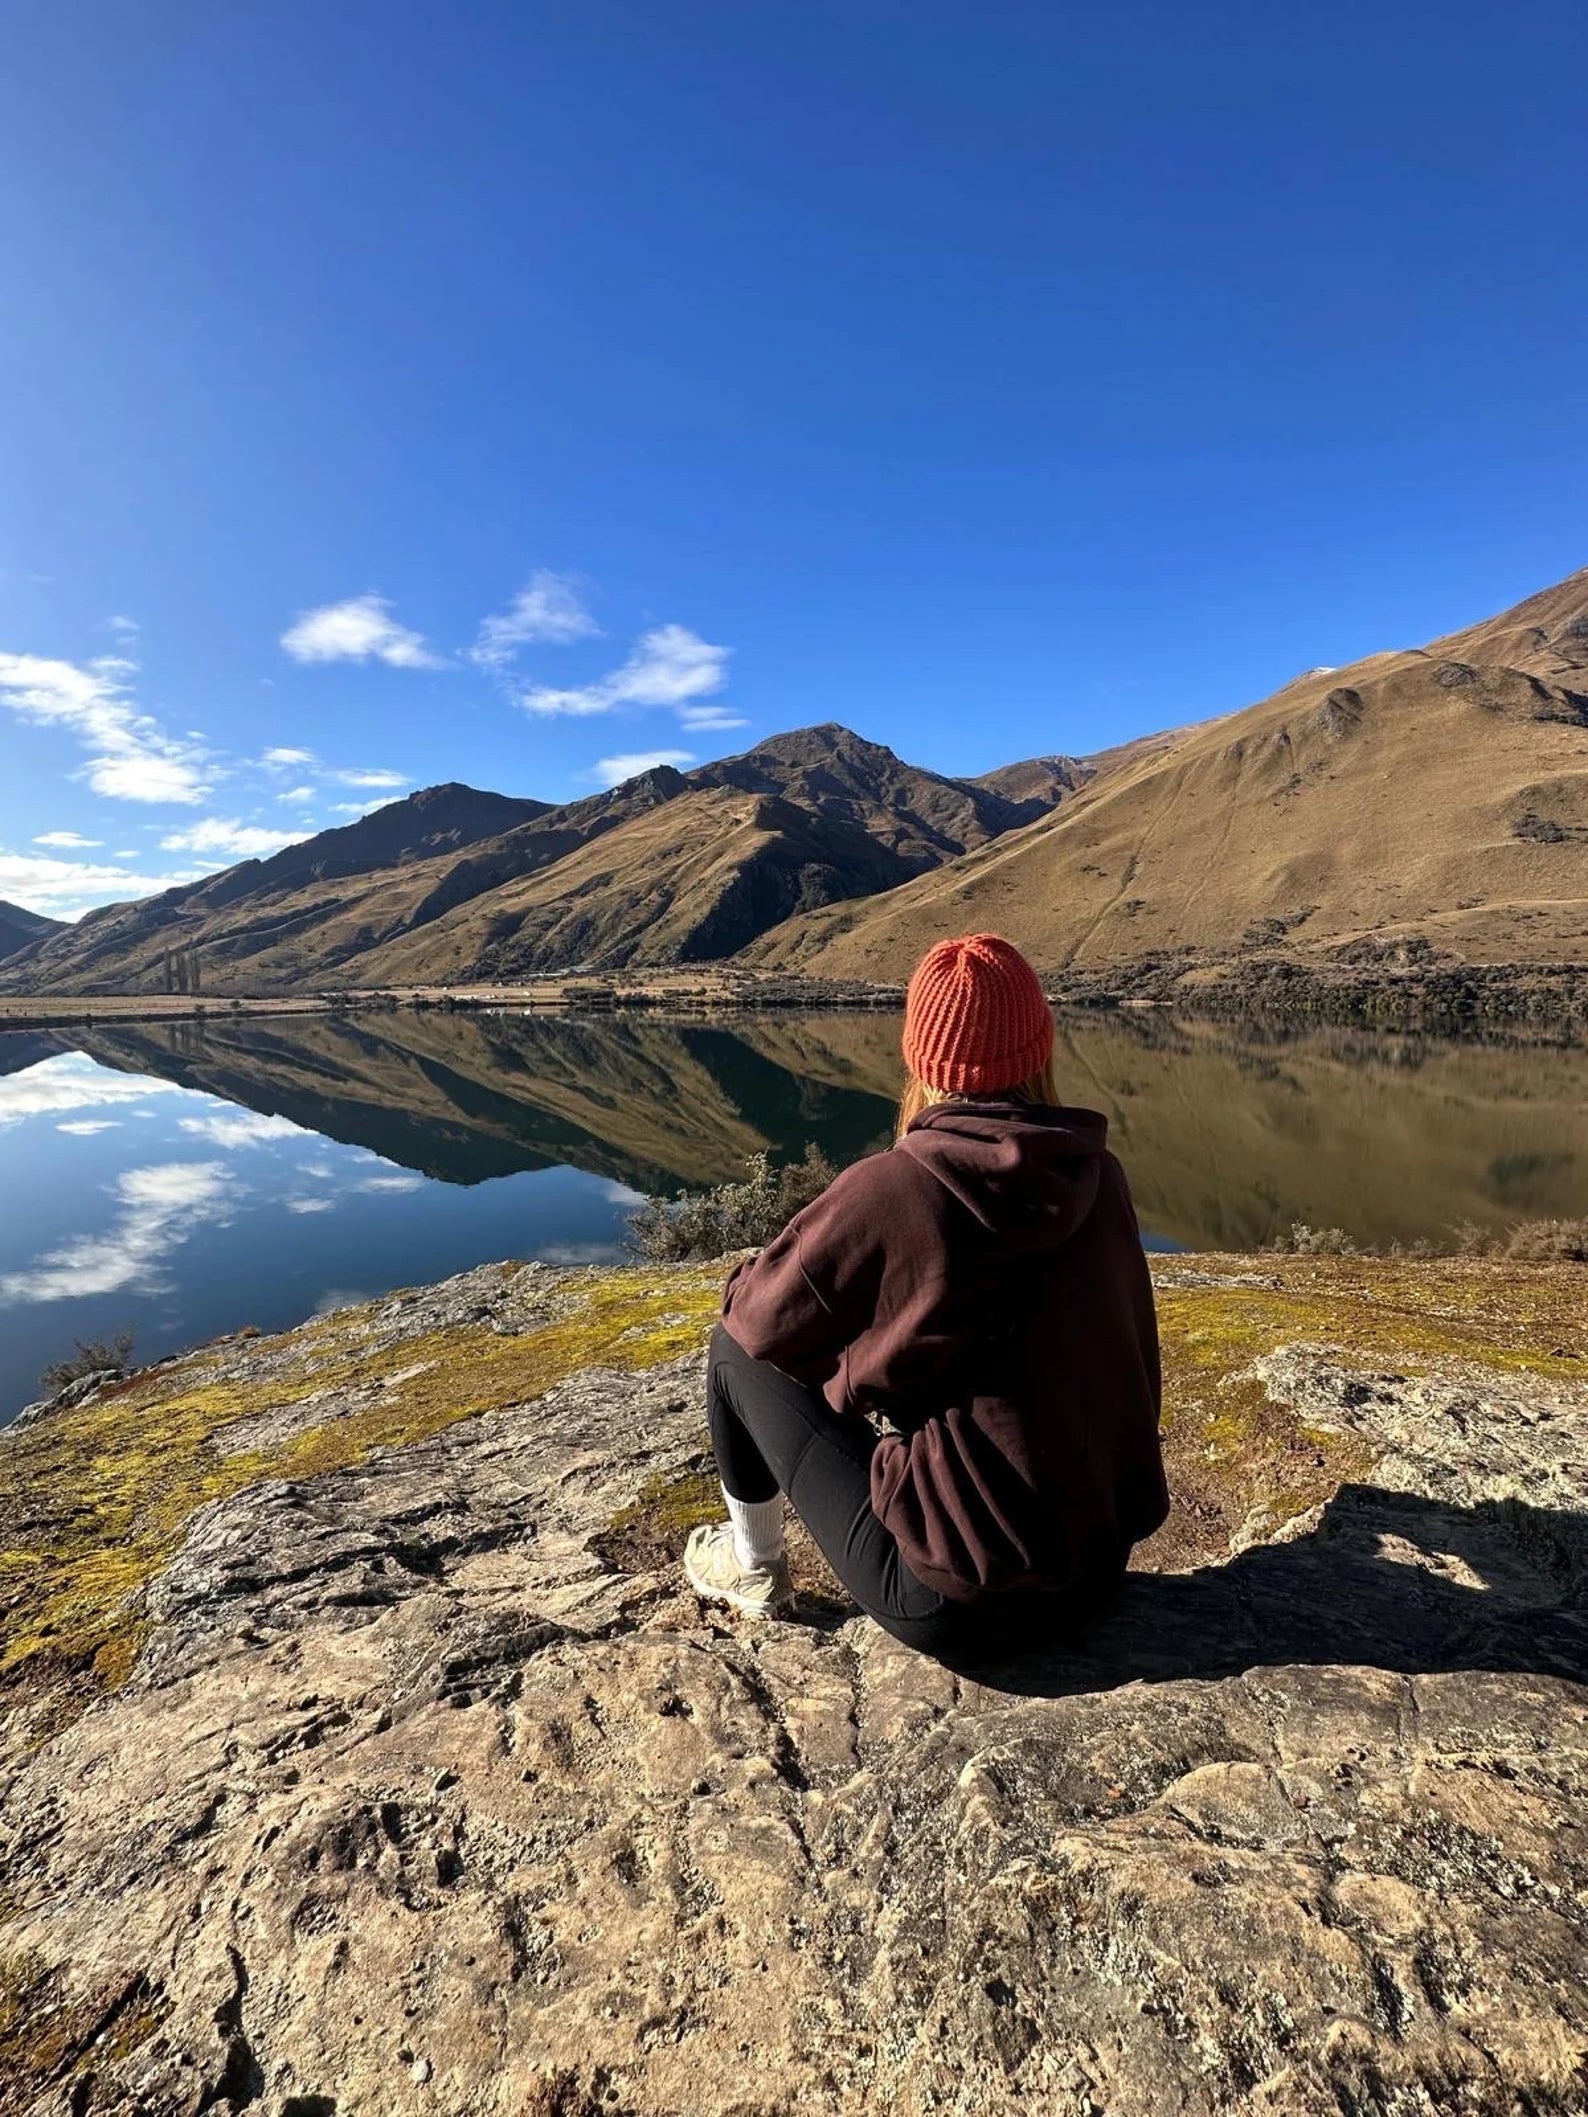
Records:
x=364, y=1750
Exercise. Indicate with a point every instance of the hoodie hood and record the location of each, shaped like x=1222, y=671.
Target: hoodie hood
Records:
x=1027, y=1171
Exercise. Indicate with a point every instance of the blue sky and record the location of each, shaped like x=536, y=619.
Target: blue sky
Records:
x=494, y=392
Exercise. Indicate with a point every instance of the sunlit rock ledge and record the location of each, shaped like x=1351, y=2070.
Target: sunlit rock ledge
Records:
x=361, y=1750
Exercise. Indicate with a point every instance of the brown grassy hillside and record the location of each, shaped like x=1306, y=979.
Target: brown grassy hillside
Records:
x=1435, y=797
x=306, y=906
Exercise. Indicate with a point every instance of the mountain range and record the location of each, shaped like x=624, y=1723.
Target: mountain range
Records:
x=454, y=884
x=1432, y=799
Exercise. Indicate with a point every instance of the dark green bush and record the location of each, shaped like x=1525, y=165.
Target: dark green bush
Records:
x=731, y=1216
x=93, y=1356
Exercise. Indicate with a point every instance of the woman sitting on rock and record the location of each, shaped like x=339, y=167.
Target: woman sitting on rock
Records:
x=981, y=1286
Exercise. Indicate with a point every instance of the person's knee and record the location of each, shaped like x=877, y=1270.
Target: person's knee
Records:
x=721, y=1355
x=722, y=1350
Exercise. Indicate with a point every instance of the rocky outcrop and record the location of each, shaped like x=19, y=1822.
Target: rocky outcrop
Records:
x=365, y=1753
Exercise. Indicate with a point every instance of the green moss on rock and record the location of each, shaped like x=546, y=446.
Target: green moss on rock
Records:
x=52, y=2039
x=94, y=1500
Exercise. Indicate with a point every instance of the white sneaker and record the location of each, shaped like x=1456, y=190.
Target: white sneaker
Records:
x=712, y=1569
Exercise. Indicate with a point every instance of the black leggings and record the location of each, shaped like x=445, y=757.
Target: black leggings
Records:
x=773, y=1434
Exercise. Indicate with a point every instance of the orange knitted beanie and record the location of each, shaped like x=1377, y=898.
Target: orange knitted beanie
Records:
x=975, y=1019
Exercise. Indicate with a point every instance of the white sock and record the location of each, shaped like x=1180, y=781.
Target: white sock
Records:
x=757, y=1529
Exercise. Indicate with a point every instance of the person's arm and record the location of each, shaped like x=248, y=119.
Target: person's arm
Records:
x=813, y=1288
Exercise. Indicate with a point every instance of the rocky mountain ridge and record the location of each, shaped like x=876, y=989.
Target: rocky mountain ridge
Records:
x=452, y=883
x=21, y=928
x=1284, y=829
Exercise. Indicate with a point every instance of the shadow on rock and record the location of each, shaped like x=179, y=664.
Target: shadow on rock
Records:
x=1388, y=1580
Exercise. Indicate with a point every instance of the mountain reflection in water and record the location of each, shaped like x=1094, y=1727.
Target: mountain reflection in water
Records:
x=190, y=1177
x=1227, y=1137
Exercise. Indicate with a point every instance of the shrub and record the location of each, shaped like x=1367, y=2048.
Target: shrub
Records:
x=1527, y=1241
x=1303, y=1241
x=1547, y=1242
x=731, y=1216
x=94, y=1356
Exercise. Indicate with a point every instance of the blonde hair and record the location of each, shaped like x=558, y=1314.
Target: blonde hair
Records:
x=1038, y=1087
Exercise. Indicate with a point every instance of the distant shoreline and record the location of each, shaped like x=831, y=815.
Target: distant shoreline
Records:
x=1438, y=996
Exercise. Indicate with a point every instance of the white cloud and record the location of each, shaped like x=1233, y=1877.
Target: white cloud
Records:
x=576, y=704
x=280, y=761
x=72, y=1081
x=670, y=666
x=63, y=888
x=696, y=718
x=400, y=1182
x=310, y=1205
x=336, y=1297
x=547, y=609
x=612, y=771
x=146, y=778
x=131, y=756
x=229, y=838
x=160, y=1207
x=68, y=840
x=360, y=630
x=86, y=1127
x=127, y=627
x=242, y=1128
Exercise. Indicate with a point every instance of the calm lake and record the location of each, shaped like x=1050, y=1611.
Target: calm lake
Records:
x=183, y=1179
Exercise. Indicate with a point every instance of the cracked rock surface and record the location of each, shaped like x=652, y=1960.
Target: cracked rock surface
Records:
x=417, y=1798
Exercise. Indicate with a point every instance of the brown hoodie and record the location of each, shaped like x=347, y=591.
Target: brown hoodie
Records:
x=981, y=1286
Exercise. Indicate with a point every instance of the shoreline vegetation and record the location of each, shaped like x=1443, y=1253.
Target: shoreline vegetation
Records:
x=748, y=1211
x=1402, y=989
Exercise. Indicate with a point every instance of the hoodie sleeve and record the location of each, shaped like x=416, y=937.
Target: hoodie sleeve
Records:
x=813, y=1288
